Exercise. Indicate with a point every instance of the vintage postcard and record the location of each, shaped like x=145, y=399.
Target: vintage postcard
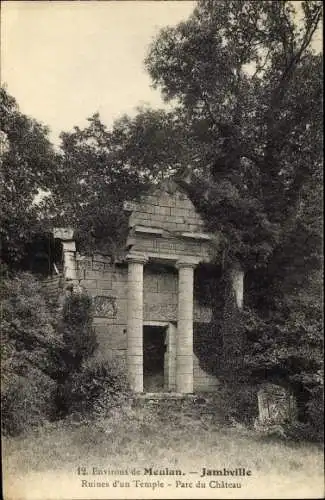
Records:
x=161, y=249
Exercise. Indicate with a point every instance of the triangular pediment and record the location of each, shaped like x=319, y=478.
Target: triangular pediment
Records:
x=165, y=226
x=166, y=207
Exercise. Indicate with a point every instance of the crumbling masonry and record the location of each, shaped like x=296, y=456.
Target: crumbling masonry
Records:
x=149, y=295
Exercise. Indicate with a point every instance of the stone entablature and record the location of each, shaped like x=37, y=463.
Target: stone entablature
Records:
x=101, y=278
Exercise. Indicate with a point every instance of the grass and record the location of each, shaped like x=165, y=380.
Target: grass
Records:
x=148, y=436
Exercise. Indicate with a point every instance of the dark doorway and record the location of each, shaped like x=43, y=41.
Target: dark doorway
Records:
x=154, y=339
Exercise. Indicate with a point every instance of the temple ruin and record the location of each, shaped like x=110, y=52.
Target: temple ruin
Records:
x=146, y=309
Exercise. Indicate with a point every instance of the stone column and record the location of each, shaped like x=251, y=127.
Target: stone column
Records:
x=135, y=320
x=69, y=260
x=170, y=359
x=66, y=235
x=237, y=285
x=184, y=342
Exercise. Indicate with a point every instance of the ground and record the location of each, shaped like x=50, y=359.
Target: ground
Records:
x=45, y=463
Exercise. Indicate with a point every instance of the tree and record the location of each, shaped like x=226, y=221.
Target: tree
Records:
x=28, y=166
x=101, y=168
x=247, y=81
x=248, y=86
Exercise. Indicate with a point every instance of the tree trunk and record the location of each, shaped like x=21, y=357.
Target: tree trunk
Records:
x=232, y=333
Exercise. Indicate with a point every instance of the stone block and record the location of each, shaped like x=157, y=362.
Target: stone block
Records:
x=158, y=219
x=167, y=283
x=181, y=227
x=193, y=227
x=167, y=201
x=160, y=312
x=63, y=233
x=102, y=330
x=89, y=284
x=102, y=321
x=178, y=219
x=122, y=308
x=142, y=216
x=179, y=212
x=150, y=283
x=159, y=210
x=104, y=284
x=172, y=226
x=120, y=290
x=164, y=299
x=147, y=208
x=105, y=293
x=185, y=204
x=276, y=404
x=118, y=337
x=92, y=275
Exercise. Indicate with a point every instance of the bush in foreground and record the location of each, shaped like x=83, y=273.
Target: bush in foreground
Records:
x=29, y=344
x=96, y=387
x=27, y=402
x=77, y=324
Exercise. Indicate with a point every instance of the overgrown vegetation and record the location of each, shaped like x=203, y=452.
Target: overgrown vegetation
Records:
x=93, y=389
x=245, y=141
x=249, y=92
x=30, y=354
x=48, y=370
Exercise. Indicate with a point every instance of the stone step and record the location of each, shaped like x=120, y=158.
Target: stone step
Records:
x=191, y=405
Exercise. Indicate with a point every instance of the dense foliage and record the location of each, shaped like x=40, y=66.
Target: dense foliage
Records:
x=248, y=86
x=28, y=166
x=77, y=326
x=244, y=139
x=47, y=368
x=94, y=389
x=249, y=89
x=31, y=353
x=91, y=384
x=102, y=168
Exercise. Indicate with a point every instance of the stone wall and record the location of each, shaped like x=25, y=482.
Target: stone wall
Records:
x=107, y=284
x=168, y=237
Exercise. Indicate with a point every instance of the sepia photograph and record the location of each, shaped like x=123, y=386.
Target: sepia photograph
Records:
x=161, y=224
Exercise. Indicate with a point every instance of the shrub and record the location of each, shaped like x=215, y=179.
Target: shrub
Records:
x=96, y=387
x=239, y=402
x=28, y=362
x=78, y=333
x=315, y=413
x=27, y=402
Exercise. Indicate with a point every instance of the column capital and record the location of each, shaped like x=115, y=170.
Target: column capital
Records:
x=68, y=246
x=63, y=233
x=190, y=262
x=136, y=257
